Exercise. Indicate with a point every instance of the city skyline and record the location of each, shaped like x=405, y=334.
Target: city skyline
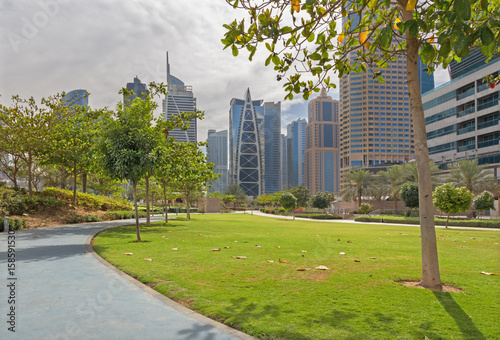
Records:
x=45, y=42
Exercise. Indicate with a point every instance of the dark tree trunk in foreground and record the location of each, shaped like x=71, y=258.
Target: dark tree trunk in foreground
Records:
x=430, y=267
x=137, y=228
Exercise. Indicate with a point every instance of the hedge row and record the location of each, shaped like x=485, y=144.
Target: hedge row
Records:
x=95, y=202
x=319, y=216
x=121, y=215
x=490, y=223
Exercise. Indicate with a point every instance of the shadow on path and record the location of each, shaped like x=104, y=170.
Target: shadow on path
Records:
x=463, y=321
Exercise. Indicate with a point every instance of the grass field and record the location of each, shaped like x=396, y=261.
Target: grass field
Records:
x=351, y=300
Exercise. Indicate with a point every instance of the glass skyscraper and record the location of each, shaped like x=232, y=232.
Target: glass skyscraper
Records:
x=272, y=147
x=246, y=139
x=76, y=97
x=179, y=99
x=217, y=154
x=296, y=144
x=322, y=152
x=140, y=90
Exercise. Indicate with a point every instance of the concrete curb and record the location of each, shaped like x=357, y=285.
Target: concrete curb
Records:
x=163, y=298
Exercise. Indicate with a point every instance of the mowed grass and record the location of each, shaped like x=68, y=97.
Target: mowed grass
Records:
x=352, y=300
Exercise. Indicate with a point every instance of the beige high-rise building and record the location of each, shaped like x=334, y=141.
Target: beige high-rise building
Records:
x=376, y=128
x=322, y=153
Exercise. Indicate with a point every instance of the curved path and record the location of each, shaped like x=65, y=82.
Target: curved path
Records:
x=63, y=290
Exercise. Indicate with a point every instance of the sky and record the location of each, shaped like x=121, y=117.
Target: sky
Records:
x=51, y=46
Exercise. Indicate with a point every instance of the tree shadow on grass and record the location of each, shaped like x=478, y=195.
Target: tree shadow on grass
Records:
x=463, y=321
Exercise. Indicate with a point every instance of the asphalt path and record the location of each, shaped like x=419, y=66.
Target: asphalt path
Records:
x=58, y=288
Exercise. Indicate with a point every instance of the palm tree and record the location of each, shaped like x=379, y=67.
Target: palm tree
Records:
x=392, y=179
x=356, y=183
x=410, y=173
x=237, y=192
x=470, y=174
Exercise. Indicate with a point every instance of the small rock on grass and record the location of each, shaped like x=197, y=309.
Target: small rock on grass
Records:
x=322, y=268
x=128, y=253
x=175, y=248
x=148, y=260
x=303, y=269
x=239, y=257
x=218, y=249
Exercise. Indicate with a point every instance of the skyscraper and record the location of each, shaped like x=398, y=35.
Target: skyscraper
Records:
x=245, y=145
x=272, y=148
x=217, y=154
x=284, y=163
x=322, y=152
x=77, y=97
x=179, y=99
x=462, y=117
x=376, y=126
x=296, y=144
x=140, y=90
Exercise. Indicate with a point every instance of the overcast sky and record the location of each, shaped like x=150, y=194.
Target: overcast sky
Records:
x=50, y=46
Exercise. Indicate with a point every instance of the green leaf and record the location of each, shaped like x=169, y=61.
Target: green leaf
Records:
x=315, y=56
x=461, y=47
x=445, y=50
x=488, y=50
x=276, y=60
x=385, y=37
x=310, y=38
x=235, y=50
x=487, y=35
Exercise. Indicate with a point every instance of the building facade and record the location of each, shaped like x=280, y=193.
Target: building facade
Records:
x=322, y=149
x=272, y=147
x=217, y=154
x=180, y=99
x=462, y=117
x=140, y=90
x=246, y=140
x=296, y=144
x=284, y=162
x=77, y=97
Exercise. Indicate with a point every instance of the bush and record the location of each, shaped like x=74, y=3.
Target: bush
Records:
x=491, y=223
x=83, y=218
x=17, y=223
x=94, y=202
x=281, y=210
x=122, y=215
x=273, y=211
x=318, y=216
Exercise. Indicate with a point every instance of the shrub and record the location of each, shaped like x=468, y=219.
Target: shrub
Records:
x=491, y=223
x=122, y=215
x=281, y=210
x=273, y=211
x=83, y=218
x=94, y=202
x=17, y=223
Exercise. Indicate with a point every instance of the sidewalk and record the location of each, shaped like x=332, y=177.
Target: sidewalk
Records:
x=63, y=291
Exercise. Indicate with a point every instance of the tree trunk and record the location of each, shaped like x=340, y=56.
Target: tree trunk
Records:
x=165, y=202
x=134, y=192
x=430, y=266
x=359, y=197
x=148, y=218
x=447, y=219
x=30, y=165
x=84, y=182
x=74, y=182
x=188, y=215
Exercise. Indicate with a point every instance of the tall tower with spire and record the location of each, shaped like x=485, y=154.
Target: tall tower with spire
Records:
x=246, y=139
x=179, y=99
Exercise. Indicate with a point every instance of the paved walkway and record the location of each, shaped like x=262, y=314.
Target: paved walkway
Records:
x=63, y=291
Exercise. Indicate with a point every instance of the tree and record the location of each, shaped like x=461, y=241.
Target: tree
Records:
x=451, y=200
x=10, y=166
x=128, y=143
x=484, y=201
x=473, y=176
x=288, y=201
x=302, y=195
x=393, y=178
x=438, y=31
x=321, y=200
x=26, y=129
x=228, y=199
x=356, y=182
x=237, y=192
x=409, y=194
x=193, y=171
x=410, y=172
x=365, y=208
x=72, y=145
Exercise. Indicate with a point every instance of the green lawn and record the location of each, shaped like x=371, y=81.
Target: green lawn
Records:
x=352, y=300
